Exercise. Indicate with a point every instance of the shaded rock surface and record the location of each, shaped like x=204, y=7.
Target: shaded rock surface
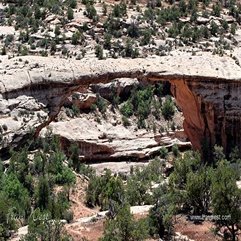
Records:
x=120, y=87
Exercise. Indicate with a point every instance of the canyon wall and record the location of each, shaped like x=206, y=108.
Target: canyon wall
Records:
x=207, y=89
x=212, y=111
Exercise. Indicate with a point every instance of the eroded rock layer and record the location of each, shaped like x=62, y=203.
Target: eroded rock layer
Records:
x=207, y=89
x=212, y=111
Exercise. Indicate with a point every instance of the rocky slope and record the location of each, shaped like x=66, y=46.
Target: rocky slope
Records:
x=116, y=29
x=206, y=88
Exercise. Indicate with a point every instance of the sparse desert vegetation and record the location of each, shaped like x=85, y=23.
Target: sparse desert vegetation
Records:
x=120, y=120
x=77, y=29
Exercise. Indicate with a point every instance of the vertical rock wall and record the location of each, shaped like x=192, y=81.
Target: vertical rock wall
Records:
x=212, y=111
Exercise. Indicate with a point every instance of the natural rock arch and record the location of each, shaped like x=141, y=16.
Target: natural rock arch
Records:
x=207, y=88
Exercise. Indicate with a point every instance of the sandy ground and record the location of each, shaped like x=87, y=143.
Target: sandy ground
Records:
x=89, y=223
x=197, y=232
x=77, y=198
x=94, y=230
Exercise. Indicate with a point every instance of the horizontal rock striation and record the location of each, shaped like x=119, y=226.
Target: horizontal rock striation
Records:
x=207, y=89
x=103, y=141
x=212, y=111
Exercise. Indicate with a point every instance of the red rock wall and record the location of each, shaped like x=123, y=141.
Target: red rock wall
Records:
x=212, y=111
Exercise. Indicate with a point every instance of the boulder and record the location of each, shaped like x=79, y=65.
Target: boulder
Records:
x=83, y=101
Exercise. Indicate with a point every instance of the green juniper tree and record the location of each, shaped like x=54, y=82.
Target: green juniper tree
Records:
x=123, y=227
x=226, y=198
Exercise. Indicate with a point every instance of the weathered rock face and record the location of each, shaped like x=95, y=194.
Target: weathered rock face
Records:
x=83, y=101
x=206, y=87
x=121, y=87
x=212, y=111
x=103, y=141
x=19, y=117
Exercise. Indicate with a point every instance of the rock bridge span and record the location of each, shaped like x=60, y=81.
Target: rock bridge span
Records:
x=207, y=88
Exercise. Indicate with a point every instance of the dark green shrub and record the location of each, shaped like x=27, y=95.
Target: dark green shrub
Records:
x=163, y=152
x=107, y=41
x=168, y=108
x=214, y=28
x=72, y=3
x=101, y=104
x=91, y=11
x=175, y=150
x=127, y=109
x=99, y=51
x=68, y=216
x=133, y=30
x=75, y=38
x=124, y=227
x=70, y=13
x=146, y=37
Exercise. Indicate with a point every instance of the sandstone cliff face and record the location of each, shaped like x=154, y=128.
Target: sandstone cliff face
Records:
x=206, y=87
x=212, y=111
